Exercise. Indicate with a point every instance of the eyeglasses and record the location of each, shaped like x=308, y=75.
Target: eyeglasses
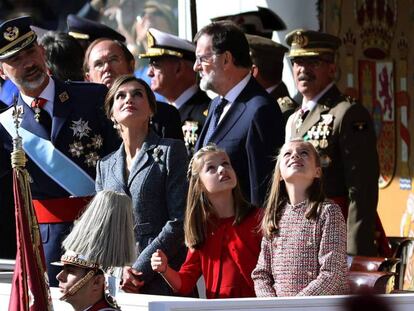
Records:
x=312, y=62
x=206, y=58
x=100, y=64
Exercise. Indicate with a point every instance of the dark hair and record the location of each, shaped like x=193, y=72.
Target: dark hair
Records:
x=64, y=55
x=270, y=68
x=126, y=53
x=227, y=36
x=121, y=80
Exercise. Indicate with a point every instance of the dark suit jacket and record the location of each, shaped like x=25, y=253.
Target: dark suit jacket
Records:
x=195, y=110
x=157, y=185
x=350, y=162
x=251, y=133
x=166, y=122
x=74, y=101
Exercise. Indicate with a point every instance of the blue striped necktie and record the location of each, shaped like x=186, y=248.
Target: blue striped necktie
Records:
x=215, y=119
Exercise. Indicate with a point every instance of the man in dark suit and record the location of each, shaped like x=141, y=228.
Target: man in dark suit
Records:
x=64, y=134
x=172, y=76
x=267, y=57
x=341, y=130
x=243, y=119
x=107, y=59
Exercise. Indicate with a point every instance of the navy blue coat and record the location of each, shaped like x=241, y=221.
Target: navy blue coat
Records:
x=251, y=133
x=73, y=101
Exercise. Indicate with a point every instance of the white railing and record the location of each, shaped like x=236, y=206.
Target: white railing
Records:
x=130, y=302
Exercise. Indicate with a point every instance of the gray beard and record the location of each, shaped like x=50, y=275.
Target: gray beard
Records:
x=30, y=85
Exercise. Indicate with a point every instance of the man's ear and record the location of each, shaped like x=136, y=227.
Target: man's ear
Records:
x=2, y=74
x=87, y=76
x=132, y=66
x=254, y=70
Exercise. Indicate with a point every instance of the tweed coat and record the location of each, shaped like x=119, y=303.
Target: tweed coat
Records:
x=305, y=257
x=158, y=187
x=251, y=132
x=349, y=161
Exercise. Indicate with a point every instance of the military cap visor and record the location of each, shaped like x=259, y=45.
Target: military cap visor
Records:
x=15, y=35
x=74, y=259
x=309, y=43
x=160, y=44
x=264, y=47
x=85, y=29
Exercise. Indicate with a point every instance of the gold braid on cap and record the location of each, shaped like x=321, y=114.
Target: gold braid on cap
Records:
x=79, y=284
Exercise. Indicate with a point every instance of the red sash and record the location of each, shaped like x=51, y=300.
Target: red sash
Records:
x=59, y=210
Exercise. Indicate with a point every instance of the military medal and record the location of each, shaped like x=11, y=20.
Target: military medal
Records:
x=37, y=113
x=190, y=135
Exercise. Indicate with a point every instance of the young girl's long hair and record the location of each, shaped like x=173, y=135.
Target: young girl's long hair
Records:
x=278, y=196
x=199, y=213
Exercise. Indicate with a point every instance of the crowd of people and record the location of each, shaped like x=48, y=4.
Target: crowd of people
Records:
x=259, y=195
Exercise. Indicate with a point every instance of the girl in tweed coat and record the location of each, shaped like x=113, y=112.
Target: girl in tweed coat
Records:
x=220, y=230
x=303, y=251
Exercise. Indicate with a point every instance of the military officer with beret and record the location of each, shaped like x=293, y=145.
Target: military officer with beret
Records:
x=267, y=57
x=172, y=76
x=342, y=131
x=64, y=134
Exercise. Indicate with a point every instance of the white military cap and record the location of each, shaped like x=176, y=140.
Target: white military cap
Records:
x=164, y=44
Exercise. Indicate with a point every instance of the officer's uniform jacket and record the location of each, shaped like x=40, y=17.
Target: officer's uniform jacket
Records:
x=342, y=131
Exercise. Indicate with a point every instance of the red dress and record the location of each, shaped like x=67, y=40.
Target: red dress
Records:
x=226, y=260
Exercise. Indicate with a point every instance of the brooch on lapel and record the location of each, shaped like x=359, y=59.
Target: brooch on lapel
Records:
x=157, y=153
x=80, y=128
x=63, y=97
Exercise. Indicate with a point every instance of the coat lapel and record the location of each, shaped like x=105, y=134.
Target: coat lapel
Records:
x=62, y=108
x=143, y=156
x=118, y=168
x=231, y=117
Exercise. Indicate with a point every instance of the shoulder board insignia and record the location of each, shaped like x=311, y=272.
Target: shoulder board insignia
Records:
x=286, y=102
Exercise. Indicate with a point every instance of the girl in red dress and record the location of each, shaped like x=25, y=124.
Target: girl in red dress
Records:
x=221, y=232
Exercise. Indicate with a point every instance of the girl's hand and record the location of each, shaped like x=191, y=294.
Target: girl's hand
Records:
x=131, y=282
x=159, y=261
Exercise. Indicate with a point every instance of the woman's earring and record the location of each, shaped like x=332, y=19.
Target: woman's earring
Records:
x=116, y=125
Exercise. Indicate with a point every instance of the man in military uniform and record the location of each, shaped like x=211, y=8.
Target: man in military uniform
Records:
x=341, y=130
x=267, y=57
x=64, y=134
x=172, y=76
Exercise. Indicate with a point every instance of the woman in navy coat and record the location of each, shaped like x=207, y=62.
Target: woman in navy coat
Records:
x=152, y=171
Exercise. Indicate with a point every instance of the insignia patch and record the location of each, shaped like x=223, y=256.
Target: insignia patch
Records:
x=96, y=142
x=80, y=128
x=205, y=112
x=359, y=126
x=11, y=33
x=76, y=149
x=63, y=97
x=285, y=102
x=299, y=40
x=91, y=159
